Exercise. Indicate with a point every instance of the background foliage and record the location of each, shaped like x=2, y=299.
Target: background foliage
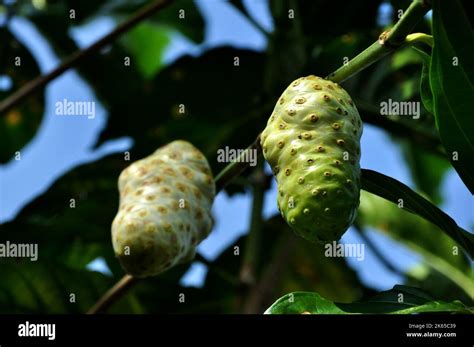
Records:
x=225, y=106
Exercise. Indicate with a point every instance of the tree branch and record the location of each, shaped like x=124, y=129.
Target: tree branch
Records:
x=252, y=244
x=78, y=56
x=388, y=41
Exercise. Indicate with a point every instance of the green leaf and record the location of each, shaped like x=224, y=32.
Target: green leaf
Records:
x=393, y=190
x=303, y=302
x=399, y=300
x=425, y=89
x=147, y=43
x=421, y=236
x=452, y=85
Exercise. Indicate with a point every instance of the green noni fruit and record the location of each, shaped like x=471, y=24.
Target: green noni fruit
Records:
x=312, y=143
x=165, y=209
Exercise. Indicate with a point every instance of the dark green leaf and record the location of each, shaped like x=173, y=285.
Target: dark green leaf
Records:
x=399, y=300
x=393, y=190
x=452, y=84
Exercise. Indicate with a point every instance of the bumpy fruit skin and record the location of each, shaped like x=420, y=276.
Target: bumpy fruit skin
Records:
x=312, y=143
x=165, y=209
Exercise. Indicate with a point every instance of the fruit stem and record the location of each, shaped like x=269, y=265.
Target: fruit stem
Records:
x=113, y=294
x=236, y=167
x=388, y=41
x=370, y=55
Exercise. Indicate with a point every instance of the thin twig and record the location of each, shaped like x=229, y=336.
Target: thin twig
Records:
x=113, y=294
x=78, y=56
x=236, y=167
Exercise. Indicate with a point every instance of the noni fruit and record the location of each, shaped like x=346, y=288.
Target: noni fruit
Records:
x=312, y=143
x=165, y=209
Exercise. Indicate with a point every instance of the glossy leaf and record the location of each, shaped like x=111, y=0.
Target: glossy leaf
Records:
x=386, y=302
x=396, y=192
x=452, y=84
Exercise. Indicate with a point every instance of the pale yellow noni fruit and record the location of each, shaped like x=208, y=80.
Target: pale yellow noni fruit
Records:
x=165, y=209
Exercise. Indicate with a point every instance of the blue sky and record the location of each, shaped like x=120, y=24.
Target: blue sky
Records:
x=62, y=144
